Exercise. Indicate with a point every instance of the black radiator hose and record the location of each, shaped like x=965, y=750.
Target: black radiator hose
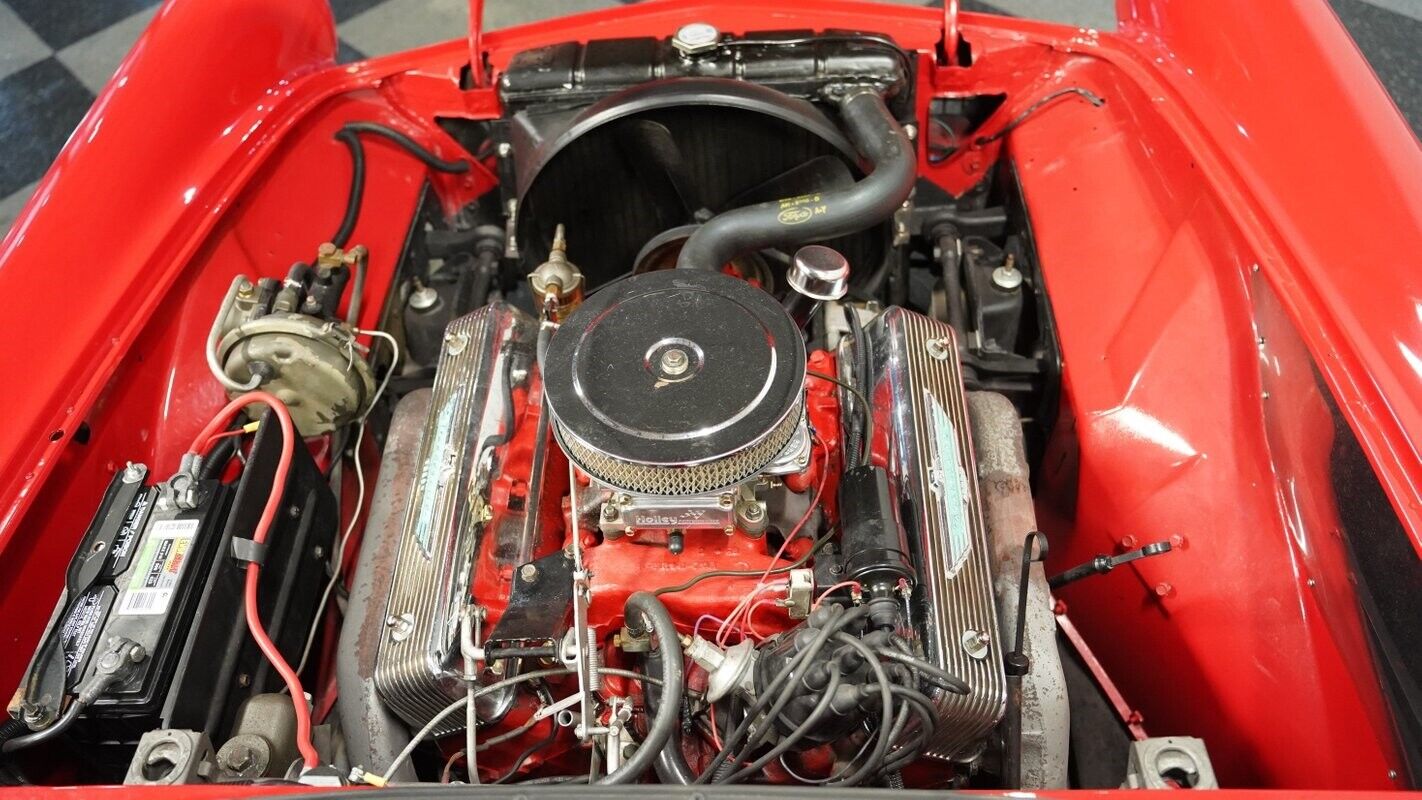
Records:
x=745, y=230
x=668, y=717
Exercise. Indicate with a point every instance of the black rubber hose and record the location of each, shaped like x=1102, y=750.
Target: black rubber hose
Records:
x=548, y=651
x=357, y=190
x=745, y=230
x=667, y=720
x=349, y=135
x=671, y=766
x=12, y=728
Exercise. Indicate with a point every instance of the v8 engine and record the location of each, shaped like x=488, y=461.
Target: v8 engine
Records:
x=702, y=440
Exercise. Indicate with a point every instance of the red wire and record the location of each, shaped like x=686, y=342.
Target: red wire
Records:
x=269, y=649
x=784, y=545
x=750, y=616
x=839, y=585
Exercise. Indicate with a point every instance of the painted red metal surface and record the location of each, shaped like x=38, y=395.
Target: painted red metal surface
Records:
x=1132, y=719
x=1150, y=215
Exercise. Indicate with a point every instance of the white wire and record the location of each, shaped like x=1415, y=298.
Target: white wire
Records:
x=339, y=556
x=459, y=704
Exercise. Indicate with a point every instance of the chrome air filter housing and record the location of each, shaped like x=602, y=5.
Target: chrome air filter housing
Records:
x=675, y=383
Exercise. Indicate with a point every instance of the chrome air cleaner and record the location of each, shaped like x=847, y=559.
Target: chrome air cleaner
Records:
x=676, y=382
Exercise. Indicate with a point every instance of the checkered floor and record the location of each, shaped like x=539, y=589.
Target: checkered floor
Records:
x=55, y=55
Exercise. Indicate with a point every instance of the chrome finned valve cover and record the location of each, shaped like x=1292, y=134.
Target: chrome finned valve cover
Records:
x=676, y=383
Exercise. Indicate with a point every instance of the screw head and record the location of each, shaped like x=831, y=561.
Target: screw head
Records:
x=976, y=643
x=1007, y=278
x=675, y=361
x=696, y=38
x=609, y=512
x=423, y=298
x=528, y=572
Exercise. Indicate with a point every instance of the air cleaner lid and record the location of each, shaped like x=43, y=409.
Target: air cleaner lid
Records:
x=676, y=369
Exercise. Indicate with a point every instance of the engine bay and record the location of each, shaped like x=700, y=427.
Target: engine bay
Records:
x=698, y=446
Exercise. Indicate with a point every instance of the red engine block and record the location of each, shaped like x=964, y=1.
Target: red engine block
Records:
x=622, y=566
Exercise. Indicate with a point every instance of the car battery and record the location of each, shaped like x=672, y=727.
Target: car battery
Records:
x=159, y=567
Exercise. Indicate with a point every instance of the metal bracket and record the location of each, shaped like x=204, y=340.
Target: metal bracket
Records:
x=1101, y=565
x=582, y=658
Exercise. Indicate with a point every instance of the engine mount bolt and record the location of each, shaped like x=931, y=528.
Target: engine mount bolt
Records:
x=696, y=38
x=528, y=572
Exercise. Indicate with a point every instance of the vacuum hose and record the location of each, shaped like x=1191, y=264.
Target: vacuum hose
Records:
x=777, y=224
x=645, y=605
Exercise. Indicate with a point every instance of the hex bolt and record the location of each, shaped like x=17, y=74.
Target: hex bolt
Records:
x=239, y=758
x=609, y=512
x=696, y=38
x=133, y=473
x=528, y=572
x=976, y=643
x=1007, y=277
x=675, y=362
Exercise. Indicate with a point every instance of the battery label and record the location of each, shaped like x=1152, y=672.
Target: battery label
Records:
x=77, y=632
x=122, y=549
x=160, y=564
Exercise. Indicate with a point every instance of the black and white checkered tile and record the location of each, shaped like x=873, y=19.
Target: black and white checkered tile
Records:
x=56, y=55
